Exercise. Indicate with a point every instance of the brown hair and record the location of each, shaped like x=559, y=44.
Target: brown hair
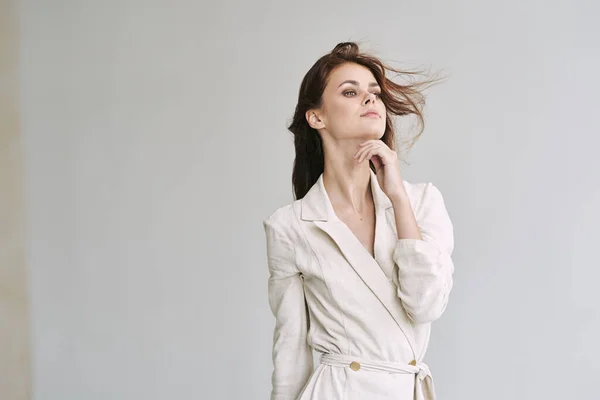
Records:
x=398, y=99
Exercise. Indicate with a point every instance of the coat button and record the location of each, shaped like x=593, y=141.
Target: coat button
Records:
x=354, y=366
x=413, y=362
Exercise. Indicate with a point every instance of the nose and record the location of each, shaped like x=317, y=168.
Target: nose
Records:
x=370, y=98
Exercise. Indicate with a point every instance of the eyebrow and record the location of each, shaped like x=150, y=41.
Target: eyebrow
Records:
x=372, y=84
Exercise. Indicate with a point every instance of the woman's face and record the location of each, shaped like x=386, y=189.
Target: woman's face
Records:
x=351, y=92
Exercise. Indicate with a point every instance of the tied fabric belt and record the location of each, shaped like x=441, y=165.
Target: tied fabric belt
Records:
x=424, y=389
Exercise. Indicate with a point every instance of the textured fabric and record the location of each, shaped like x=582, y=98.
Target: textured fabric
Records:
x=423, y=385
x=330, y=295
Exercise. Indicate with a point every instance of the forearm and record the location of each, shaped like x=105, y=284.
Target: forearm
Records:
x=423, y=255
x=406, y=224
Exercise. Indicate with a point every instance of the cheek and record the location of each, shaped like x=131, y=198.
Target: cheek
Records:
x=335, y=107
x=345, y=108
x=338, y=113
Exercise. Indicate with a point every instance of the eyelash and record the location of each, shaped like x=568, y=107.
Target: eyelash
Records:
x=348, y=91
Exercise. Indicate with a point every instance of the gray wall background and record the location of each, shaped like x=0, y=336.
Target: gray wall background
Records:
x=155, y=143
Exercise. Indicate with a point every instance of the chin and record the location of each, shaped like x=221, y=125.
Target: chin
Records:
x=373, y=130
x=375, y=133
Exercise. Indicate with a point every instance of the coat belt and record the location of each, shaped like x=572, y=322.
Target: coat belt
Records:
x=424, y=389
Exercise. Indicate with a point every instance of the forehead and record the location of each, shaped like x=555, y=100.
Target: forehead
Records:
x=350, y=71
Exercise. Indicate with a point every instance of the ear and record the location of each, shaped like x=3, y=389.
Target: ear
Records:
x=314, y=119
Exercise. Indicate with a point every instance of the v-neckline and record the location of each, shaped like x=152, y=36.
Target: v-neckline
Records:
x=376, y=216
x=356, y=239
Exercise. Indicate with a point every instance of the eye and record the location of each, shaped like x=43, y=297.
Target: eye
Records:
x=378, y=94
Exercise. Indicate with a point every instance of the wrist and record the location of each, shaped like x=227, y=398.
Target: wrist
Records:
x=399, y=198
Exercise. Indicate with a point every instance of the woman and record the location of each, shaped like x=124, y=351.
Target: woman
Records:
x=360, y=264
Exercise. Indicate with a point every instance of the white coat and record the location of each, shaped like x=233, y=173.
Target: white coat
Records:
x=368, y=317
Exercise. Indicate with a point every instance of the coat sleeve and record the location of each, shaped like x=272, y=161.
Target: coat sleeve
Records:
x=291, y=354
x=425, y=267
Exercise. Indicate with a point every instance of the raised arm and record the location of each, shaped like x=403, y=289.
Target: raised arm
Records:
x=425, y=267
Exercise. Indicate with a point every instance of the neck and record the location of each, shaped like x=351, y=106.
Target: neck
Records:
x=348, y=185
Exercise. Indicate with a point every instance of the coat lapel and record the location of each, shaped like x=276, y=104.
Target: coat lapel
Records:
x=317, y=207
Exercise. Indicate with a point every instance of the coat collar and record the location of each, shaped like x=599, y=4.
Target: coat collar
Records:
x=317, y=207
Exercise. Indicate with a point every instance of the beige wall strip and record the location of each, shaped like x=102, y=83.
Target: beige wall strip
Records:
x=15, y=376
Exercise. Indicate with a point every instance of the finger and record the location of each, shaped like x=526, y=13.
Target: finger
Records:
x=366, y=141
x=381, y=152
x=376, y=163
x=377, y=145
x=370, y=153
x=361, y=152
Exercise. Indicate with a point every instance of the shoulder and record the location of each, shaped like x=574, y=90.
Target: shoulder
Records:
x=423, y=195
x=432, y=215
x=415, y=190
x=283, y=218
x=282, y=233
x=284, y=214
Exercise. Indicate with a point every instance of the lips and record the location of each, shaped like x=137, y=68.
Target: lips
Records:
x=371, y=114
